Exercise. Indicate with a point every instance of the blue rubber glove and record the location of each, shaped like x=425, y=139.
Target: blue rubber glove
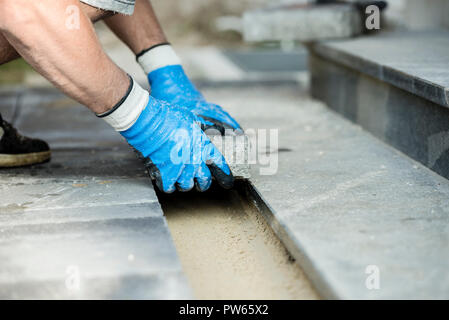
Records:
x=176, y=151
x=171, y=84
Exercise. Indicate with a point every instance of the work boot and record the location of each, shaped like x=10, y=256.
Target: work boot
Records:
x=17, y=150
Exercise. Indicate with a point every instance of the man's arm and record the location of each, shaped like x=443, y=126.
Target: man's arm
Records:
x=71, y=58
x=139, y=31
x=8, y=53
x=175, y=150
x=144, y=36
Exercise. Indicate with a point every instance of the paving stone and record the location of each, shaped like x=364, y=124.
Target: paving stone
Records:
x=269, y=60
x=415, y=61
x=161, y=285
x=21, y=215
x=394, y=85
x=70, y=125
x=108, y=252
x=51, y=194
x=342, y=201
x=87, y=244
x=302, y=23
x=92, y=210
x=413, y=125
x=236, y=151
x=91, y=163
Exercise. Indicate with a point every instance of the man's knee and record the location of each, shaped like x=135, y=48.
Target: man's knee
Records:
x=15, y=13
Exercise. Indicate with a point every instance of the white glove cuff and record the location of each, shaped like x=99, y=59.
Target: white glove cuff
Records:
x=126, y=112
x=158, y=57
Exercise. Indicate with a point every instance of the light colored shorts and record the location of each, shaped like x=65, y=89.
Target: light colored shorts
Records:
x=121, y=6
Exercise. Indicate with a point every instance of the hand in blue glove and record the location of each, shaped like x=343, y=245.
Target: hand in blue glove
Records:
x=171, y=84
x=176, y=151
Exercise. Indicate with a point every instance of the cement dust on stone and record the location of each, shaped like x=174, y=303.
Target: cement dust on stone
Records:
x=228, y=251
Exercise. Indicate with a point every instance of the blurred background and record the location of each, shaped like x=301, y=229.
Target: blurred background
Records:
x=285, y=64
x=209, y=25
x=207, y=30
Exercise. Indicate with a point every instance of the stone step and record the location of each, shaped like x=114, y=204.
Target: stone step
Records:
x=395, y=85
x=347, y=206
x=302, y=22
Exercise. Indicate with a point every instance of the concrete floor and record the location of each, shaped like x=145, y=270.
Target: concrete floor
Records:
x=86, y=225
x=343, y=203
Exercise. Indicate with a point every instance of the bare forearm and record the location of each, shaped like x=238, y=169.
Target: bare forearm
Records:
x=8, y=53
x=71, y=58
x=139, y=31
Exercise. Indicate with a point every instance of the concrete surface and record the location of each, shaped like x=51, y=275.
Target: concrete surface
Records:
x=417, y=14
x=301, y=22
x=398, y=94
x=415, y=61
x=269, y=60
x=236, y=151
x=416, y=126
x=87, y=225
x=341, y=201
x=344, y=203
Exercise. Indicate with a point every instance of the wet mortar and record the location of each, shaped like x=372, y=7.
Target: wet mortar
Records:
x=228, y=251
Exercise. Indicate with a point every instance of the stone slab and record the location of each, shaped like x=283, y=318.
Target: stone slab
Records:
x=43, y=251
x=269, y=60
x=160, y=286
x=47, y=253
x=302, y=22
x=413, y=125
x=71, y=125
x=236, y=151
x=21, y=215
x=82, y=163
x=415, y=61
x=56, y=194
x=344, y=203
x=90, y=217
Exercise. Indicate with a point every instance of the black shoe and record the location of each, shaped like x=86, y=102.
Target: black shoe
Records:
x=17, y=150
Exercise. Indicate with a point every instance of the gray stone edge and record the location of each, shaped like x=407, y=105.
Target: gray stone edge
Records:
x=417, y=86
x=183, y=290
x=266, y=15
x=324, y=286
x=316, y=276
